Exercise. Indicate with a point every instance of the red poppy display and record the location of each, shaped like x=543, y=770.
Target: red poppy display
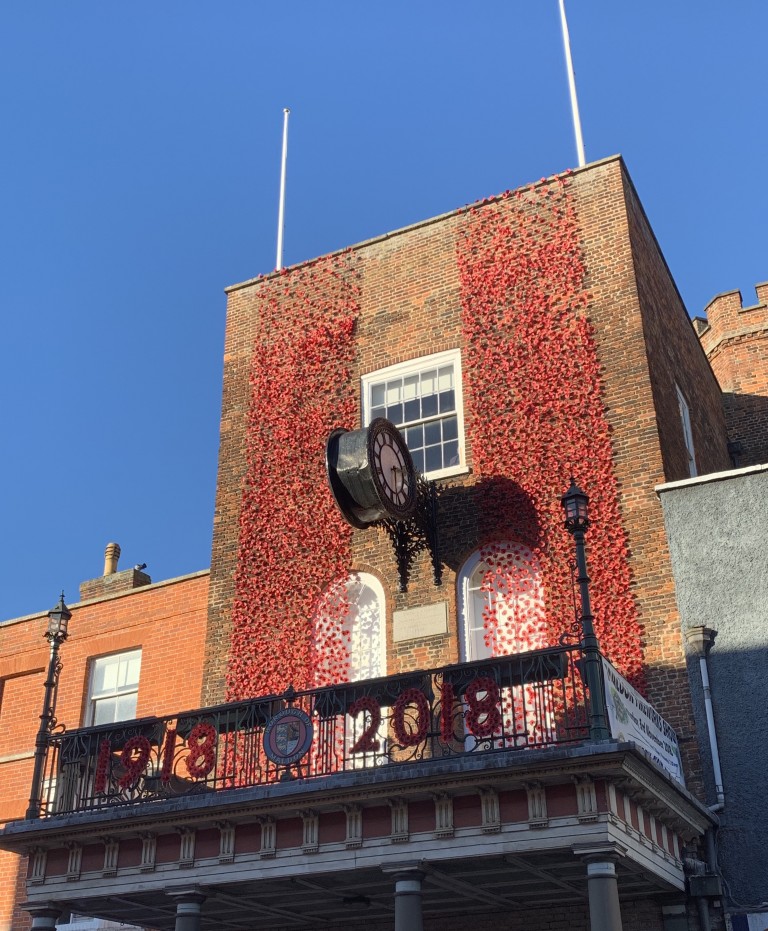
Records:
x=535, y=405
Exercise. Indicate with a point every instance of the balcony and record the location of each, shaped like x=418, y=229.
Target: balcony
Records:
x=529, y=701
x=298, y=809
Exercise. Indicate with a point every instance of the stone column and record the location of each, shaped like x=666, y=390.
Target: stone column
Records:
x=408, y=900
x=600, y=860
x=43, y=916
x=189, y=906
x=604, y=910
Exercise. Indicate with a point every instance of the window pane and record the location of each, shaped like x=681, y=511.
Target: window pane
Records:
x=122, y=673
x=434, y=458
x=445, y=378
x=125, y=707
x=104, y=675
x=429, y=405
x=414, y=437
x=450, y=428
x=134, y=668
x=451, y=453
x=429, y=382
x=377, y=395
x=432, y=433
x=378, y=412
x=418, y=459
x=477, y=646
x=104, y=711
x=411, y=387
x=395, y=413
x=447, y=401
x=393, y=391
x=411, y=410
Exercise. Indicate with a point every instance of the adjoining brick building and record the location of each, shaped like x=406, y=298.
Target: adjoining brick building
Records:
x=735, y=339
x=444, y=769
x=121, y=651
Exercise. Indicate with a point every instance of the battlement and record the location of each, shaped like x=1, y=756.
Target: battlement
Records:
x=727, y=317
x=735, y=339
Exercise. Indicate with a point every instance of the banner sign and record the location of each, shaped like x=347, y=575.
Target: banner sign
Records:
x=631, y=718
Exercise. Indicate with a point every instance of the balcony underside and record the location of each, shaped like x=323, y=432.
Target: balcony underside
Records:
x=472, y=887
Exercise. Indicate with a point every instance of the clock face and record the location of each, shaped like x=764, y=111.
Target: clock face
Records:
x=389, y=462
x=392, y=468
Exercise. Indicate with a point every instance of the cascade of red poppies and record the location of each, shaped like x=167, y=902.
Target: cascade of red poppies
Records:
x=537, y=416
x=293, y=544
x=534, y=395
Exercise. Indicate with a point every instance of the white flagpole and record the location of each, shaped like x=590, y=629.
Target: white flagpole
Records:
x=572, y=88
x=281, y=208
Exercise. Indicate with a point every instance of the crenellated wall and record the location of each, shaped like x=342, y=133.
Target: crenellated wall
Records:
x=735, y=339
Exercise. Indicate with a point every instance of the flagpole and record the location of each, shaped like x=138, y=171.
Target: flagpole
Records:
x=281, y=208
x=572, y=88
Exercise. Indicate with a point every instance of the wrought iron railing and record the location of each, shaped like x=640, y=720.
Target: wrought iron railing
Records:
x=530, y=700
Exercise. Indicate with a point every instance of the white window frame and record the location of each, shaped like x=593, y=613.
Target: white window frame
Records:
x=685, y=417
x=371, y=582
x=354, y=728
x=132, y=689
x=466, y=612
x=403, y=369
x=468, y=622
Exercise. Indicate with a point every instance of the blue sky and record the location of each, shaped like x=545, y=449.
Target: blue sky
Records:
x=139, y=174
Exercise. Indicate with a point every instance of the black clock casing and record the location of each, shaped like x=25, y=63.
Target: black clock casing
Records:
x=371, y=473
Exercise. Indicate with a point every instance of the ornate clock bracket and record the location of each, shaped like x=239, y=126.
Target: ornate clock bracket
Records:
x=374, y=483
x=417, y=533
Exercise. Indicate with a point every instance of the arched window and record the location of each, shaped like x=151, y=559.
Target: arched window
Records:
x=501, y=611
x=350, y=643
x=501, y=602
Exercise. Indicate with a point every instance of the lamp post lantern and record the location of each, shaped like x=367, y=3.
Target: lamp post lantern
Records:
x=57, y=632
x=575, y=504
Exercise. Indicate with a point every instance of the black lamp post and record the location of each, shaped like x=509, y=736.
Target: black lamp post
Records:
x=575, y=503
x=58, y=622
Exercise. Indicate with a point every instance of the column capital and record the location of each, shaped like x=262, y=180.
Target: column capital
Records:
x=41, y=909
x=44, y=915
x=412, y=869
x=194, y=895
x=599, y=852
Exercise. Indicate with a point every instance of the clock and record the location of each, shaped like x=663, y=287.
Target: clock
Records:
x=371, y=473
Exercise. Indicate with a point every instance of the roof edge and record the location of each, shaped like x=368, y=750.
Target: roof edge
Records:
x=710, y=477
x=131, y=591
x=383, y=237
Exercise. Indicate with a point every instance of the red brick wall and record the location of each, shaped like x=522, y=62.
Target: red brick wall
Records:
x=736, y=344
x=647, y=346
x=167, y=621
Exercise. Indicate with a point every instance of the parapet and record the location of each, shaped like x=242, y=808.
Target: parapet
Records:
x=727, y=317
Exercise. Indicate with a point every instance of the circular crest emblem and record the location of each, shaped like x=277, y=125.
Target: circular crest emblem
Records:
x=288, y=736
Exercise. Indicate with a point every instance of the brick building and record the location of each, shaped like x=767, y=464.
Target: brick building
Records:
x=119, y=661
x=735, y=339
x=445, y=768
